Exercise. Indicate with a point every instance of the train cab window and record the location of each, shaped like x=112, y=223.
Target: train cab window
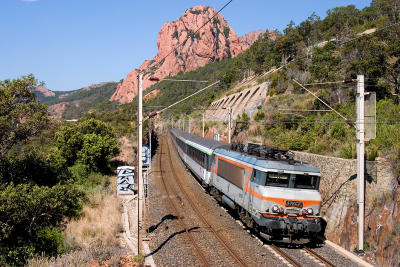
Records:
x=277, y=179
x=306, y=181
x=259, y=177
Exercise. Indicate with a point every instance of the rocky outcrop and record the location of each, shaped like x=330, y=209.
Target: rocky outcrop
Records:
x=57, y=110
x=87, y=88
x=215, y=41
x=151, y=95
x=44, y=91
x=247, y=40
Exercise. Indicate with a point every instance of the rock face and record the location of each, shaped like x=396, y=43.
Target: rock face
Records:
x=57, y=110
x=215, y=41
x=87, y=88
x=44, y=91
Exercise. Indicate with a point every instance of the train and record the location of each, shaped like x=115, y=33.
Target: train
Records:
x=272, y=193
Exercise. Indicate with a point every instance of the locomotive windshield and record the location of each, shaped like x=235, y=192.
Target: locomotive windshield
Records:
x=306, y=181
x=301, y=181
x=277, y=179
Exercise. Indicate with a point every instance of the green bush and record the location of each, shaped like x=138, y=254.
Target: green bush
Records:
x=91, y=142
x=50, y=240
x=30, y=217
x=348, y=150
x=96, y=151
x=259, y=115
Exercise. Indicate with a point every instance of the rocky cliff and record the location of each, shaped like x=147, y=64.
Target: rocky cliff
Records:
x=215, y=41
x=44, y=91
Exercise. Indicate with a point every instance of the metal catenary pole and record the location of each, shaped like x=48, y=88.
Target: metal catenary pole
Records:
x=360, y=160
x=139, y=157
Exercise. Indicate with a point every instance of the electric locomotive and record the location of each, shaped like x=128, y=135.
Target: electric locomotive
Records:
x=274, y=194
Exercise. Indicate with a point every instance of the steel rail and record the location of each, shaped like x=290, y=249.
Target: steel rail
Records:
x=285, y=256
x=318, y=257
x=183, y=225
x=222, y=241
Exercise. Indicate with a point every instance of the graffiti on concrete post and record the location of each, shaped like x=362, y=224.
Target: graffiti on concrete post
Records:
x=125, y=180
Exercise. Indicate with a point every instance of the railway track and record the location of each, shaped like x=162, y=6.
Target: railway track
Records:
x=294, y=262
x=199, y=252
x=318, y=257
x=171, y=192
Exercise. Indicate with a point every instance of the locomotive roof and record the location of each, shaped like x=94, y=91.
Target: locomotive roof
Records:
x=268, y=164
x=208, y=145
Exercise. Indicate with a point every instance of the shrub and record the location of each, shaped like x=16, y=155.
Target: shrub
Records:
x=348, y=151
x=50, y=240
x=96, y=151
x=259, y=115
x=138, y=258
x=30, y=217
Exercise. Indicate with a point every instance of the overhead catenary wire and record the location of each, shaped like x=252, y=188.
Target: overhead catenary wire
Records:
x=195, y=93
x=175, y=80
x=334, y=82
x=322, y=101
x=374, y=32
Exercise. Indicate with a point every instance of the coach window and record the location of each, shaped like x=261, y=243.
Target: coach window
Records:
x=277, y=179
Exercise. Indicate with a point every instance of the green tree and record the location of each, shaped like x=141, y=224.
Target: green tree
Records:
x=21, y=117
x=97, y=150
x=91, y=142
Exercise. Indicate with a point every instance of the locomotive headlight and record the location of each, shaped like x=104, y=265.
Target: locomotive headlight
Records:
x=310, y=211
x=304, y=212
x=275, y=209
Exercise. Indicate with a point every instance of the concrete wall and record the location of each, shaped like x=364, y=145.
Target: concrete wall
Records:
x=246, y=100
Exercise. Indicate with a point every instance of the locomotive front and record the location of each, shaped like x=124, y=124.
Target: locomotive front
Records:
x=287, y=199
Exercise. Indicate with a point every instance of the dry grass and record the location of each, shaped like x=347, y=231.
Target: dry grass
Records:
x=100, y=221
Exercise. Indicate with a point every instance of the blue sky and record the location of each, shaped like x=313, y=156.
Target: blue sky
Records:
x=70, y=44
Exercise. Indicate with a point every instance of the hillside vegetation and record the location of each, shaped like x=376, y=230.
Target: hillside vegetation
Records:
x=317, y=50
x=83, y=100
x=49, y=171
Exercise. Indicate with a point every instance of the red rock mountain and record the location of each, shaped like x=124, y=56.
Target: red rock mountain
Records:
x=43, y=89
x=215, y=41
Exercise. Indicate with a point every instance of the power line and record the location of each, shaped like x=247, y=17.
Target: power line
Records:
x=324, y=83
x=184, y=80
x=305, y=110
x=343, y=117
x=363, y=35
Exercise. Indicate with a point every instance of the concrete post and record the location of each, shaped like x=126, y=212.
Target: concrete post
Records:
x=360, y=160
x=150, y=131
x=203, y=124
x=139, y=157
x=229, y=125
